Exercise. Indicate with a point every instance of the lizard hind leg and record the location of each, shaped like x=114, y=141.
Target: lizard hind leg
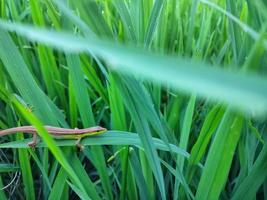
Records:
x=78, y=144
x=33, y=143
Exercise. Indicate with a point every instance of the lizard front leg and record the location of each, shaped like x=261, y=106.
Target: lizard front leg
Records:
x=33, y=143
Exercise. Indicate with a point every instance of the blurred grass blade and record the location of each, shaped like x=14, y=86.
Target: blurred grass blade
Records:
x=247, y=92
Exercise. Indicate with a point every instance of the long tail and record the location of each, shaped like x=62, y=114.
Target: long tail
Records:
x=27, y=129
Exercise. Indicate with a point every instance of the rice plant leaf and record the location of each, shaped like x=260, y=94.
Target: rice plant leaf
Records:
x=41, y=168
x=83, y=176
x=181, y=178
x=123, y=10
x=185, y=133
x=84, y=105
x=220, y=157
x=153, y=21
x=246, y=92
x=58, y=185
x=210, y=124
x=80, y=90
x=94, y=18
x=256, y=177
x=78, y=191
x=242, y=25
x=142, y=127
x=139, y=177
x=26, y=171
x=191, y=25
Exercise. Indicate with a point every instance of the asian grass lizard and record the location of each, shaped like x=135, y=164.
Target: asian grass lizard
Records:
x=56, y=132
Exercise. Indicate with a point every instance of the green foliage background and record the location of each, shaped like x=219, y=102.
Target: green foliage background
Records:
x=180, y=85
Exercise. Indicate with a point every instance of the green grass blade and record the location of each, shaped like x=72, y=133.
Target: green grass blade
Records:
x=126, y=18
x=83, y=102
x=144, y=132
x=191, y=24
x=250, y=185
x=83, y=176
x=58, y=185
x=210, y=124
x=26, y=171
x=139, y=177
x=80, y=90
x=153, y=21
x=41, y=168
x=2, y=193
x=108, y=138
x=184, y=138
x=220, y=157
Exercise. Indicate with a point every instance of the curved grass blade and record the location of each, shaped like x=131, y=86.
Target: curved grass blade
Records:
x=108, y=138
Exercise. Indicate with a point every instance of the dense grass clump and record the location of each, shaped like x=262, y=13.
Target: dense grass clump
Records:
x=180, y=85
